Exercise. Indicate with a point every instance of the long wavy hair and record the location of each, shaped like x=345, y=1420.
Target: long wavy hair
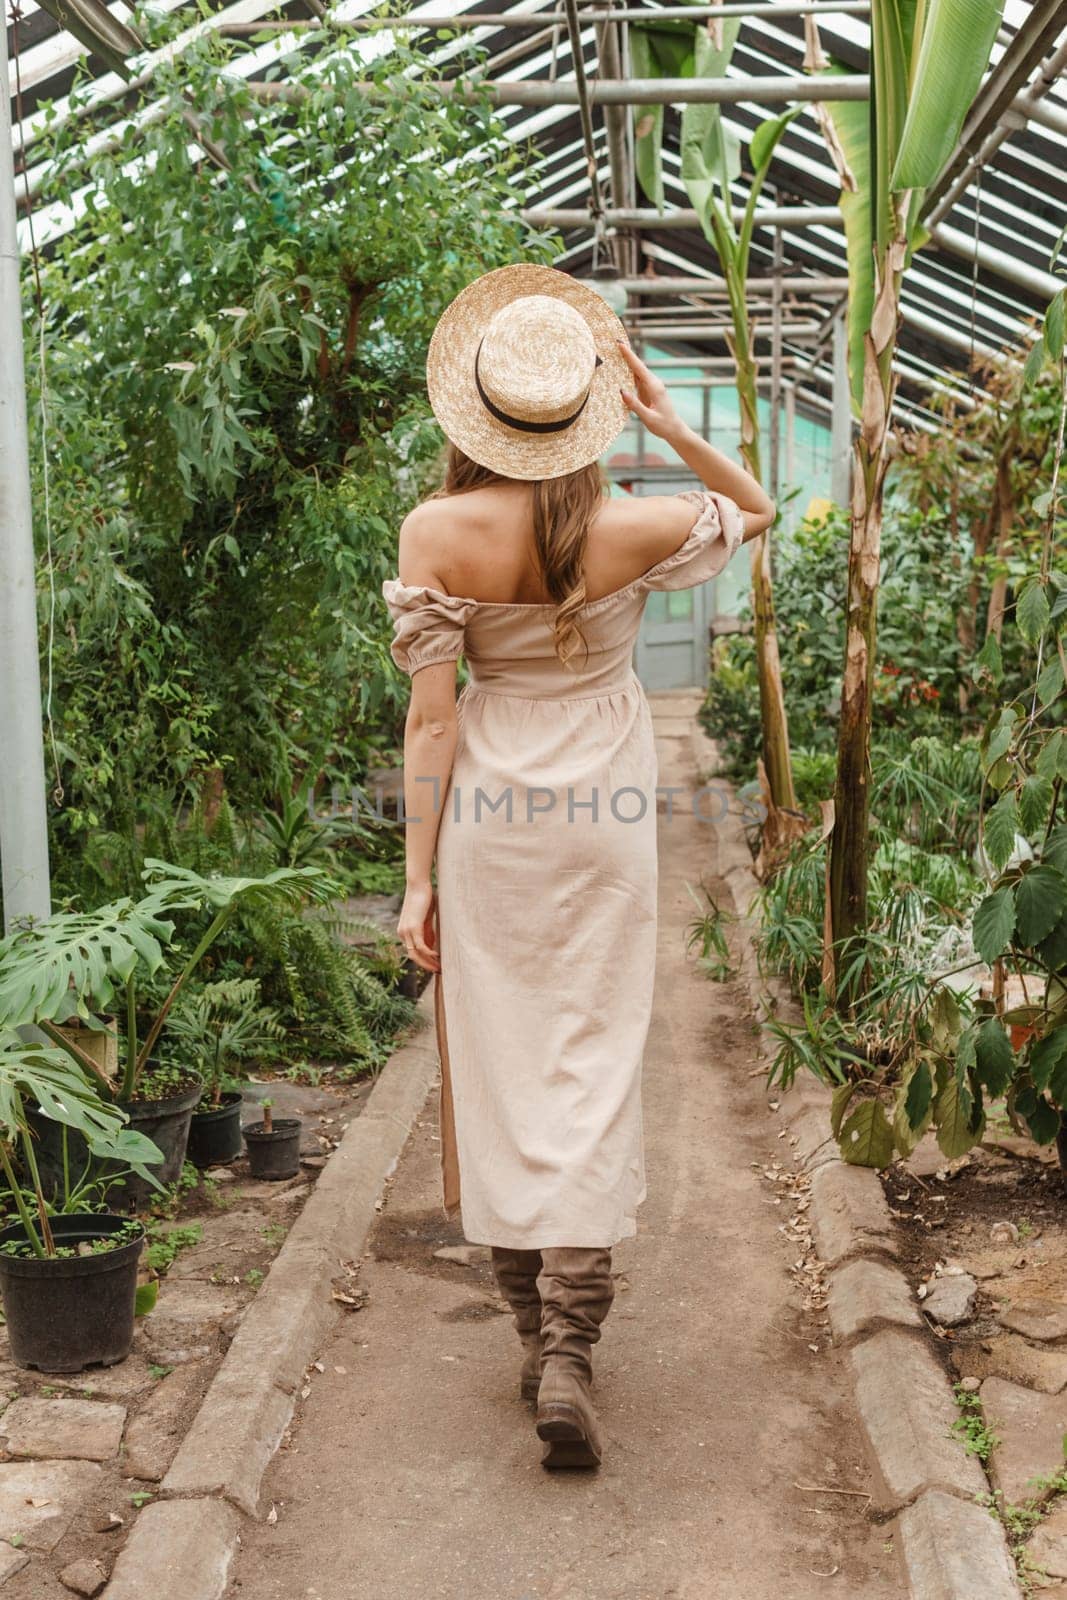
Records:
x=563, y=508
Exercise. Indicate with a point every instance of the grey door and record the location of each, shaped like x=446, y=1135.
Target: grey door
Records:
x=672, y=646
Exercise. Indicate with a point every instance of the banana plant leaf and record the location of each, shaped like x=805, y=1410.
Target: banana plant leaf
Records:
x=663, y=51
x=953, y=53
x=852, y=124
x=711, y=157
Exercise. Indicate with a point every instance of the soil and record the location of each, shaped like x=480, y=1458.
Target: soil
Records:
x=1000, y=1213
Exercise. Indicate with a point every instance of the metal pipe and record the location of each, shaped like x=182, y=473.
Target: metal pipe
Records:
x=790, y=432
x=769, y=89
x=767, y=217
x=23, y=814
x=774, y=431
x=655, y=285
x=956, y=243
x=530, y=19
x=705, y=334
x=996, y=261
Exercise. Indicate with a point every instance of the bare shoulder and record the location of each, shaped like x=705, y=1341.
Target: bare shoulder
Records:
x=646, y=528
x=423, y=548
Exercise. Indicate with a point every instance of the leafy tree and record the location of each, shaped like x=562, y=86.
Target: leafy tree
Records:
x=234, y=354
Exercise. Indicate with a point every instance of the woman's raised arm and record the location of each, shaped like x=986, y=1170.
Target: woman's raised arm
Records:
x=650, y=401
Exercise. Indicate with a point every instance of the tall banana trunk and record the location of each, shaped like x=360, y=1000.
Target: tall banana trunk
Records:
x=848, y=848
x=775, y=723
x=927, y=63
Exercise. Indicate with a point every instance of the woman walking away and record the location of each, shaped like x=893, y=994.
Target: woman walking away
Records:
x=535, y=792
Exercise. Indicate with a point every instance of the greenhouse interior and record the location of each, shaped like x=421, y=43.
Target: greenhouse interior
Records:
x=266, y=1218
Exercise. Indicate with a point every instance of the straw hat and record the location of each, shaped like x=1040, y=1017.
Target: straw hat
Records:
x=524, y=373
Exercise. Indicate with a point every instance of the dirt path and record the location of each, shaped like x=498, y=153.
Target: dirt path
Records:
x=413, y=1470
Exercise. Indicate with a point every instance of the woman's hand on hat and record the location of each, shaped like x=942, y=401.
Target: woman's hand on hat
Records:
x=649, y=399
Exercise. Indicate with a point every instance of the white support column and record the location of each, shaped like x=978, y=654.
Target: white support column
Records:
x=23, y=818
x=841, y=420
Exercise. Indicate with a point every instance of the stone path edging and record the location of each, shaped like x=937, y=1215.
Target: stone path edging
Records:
x=191, y=1533
x=953, y=1548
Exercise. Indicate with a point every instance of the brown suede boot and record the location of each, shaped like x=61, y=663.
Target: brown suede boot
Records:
x=576, y=1291
x=516, y=1275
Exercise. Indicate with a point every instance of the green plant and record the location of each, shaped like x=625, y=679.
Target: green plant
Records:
x=254, y=1277
x=52, y=1082
x=233, y=447
x=69, y=963
x=220, y=1028
x=165, y=1244
x=819, y=1044
x=707, y=935
x=971, y=1428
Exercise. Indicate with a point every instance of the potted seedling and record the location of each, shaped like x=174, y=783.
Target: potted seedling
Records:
x=216, y=1031
x=77, y=963
x=68, y=1274
x=274, y=1145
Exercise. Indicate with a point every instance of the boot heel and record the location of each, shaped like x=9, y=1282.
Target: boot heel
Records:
x=562, y=1430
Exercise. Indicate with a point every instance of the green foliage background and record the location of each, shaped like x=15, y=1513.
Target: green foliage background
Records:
x=234, y=359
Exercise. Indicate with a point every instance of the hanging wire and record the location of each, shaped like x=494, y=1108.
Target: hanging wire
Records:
x=58, y=792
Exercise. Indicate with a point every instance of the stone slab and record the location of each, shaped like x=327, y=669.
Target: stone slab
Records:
x=11, y=1561
x=848, y=1213
x=1010, y=1356
x=68, y=1430
x=177, y=1547
x=955, y=1550
x=1047, y=1548
x=38, y=1499
x=865, y=1294
x=1030, y=1428
x=815, y=1144
x=191, y=1321
x=154, y=1434
x=233, y=1438
x=907, y=1409
x=1045, y=1320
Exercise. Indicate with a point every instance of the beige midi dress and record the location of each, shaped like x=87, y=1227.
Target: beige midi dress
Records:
x=546, y=893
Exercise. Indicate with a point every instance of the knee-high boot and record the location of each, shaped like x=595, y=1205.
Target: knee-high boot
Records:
x=516, y=1276
x=576, y=1289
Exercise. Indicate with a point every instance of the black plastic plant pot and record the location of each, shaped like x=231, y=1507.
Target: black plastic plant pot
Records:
x=67, y=1313
x=276, y=1154
x=166, y=1122
x=215, y=1135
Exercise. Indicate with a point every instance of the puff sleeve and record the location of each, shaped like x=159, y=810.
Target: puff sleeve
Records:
x=715, y=536
x=428, y=626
